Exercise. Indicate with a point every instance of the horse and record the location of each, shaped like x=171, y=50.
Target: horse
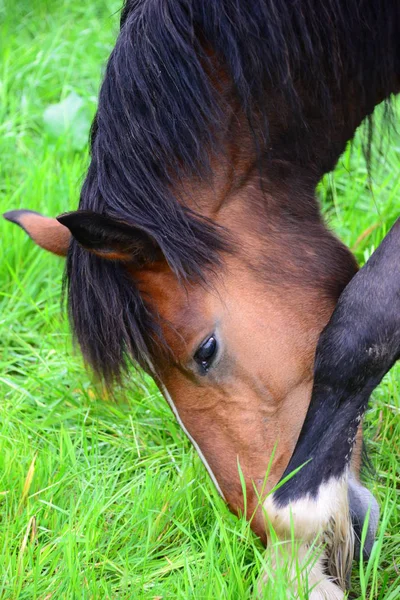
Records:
x=198, y=250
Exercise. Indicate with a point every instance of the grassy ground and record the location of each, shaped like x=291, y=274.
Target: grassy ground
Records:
x=108, y=500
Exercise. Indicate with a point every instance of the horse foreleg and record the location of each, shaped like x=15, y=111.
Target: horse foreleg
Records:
x=362, y=504
x=356, y=349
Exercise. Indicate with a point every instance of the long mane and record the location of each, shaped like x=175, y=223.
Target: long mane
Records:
x=159, y=114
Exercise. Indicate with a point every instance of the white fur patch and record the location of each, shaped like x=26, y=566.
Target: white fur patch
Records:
x=323, y=519
x=299, y=558
x=308, y=516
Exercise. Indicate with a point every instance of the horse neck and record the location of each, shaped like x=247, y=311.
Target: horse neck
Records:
x=287, y=164
x=267, y=200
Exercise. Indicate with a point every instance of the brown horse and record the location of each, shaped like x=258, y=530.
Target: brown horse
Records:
x=198, y=249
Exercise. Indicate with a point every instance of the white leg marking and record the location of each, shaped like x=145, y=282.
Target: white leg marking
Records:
x=308, y=516
x=295, y=558
x=195, y=444
x=326, y=519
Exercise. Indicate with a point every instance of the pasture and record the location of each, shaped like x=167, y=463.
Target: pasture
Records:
x=104, y=497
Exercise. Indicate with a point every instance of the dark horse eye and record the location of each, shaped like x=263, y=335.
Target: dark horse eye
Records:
x=205, y=354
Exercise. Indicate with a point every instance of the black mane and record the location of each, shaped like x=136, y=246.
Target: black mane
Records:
x=158, y=114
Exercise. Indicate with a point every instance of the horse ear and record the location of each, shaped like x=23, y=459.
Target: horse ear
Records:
x=45, y=232
x=110, y=238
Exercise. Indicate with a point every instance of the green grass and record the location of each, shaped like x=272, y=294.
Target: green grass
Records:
x=100, y=499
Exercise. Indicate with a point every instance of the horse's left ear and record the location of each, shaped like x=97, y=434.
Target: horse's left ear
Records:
x=45, y=232
x=110, y=238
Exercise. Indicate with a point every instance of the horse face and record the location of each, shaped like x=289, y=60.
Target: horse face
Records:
x=239, y=367
x=239, y=374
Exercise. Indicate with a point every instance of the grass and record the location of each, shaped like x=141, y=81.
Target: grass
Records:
x=100, y=499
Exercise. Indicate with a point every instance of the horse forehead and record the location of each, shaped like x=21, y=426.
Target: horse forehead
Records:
x=184, y=306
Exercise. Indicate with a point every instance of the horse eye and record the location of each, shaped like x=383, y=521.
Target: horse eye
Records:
x=205, y=354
